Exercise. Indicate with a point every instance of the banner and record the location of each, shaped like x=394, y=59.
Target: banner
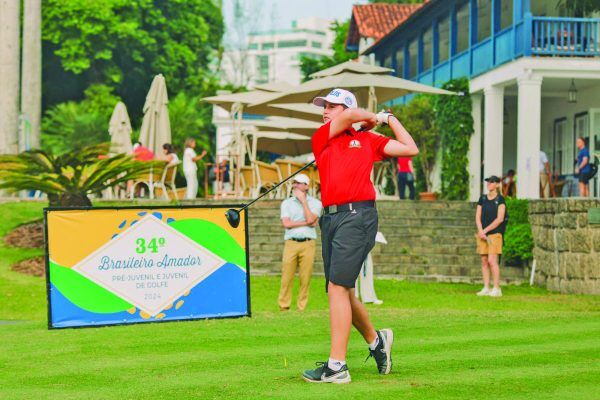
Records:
x=108, y=266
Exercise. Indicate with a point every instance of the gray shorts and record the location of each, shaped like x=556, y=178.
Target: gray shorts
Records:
x=347, y=238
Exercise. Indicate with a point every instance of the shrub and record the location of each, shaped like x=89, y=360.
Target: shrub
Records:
x=518, y=239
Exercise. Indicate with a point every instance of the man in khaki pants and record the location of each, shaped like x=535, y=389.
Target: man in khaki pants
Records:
x=299, y=216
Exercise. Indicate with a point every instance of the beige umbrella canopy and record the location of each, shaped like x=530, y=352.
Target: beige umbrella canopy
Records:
x=119, y=129
x=304, y=111
x=291, y=125
x=156, y=129
x=352, y=66
x=288, y=144
x=368, y=89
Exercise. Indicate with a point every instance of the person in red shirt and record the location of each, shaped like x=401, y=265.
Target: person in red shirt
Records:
x=345, y=160
x=406, y=177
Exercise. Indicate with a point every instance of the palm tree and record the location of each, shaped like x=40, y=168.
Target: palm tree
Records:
x=69, y=178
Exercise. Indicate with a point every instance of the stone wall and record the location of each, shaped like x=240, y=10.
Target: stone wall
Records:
x=567, y=248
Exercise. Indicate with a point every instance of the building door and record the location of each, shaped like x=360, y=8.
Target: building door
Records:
x=558, y=158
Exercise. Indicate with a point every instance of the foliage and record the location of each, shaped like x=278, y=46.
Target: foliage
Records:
x=69, y=178
x=419, y=119
x=125, y=43
x=518, y=238
x=453, y=117
x=580, y=8
x=72, y=125
x=310, y=65
x=397, y=1
x=190, y=117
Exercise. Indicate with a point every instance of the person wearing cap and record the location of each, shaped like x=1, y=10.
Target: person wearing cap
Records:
x=490, y=221
x=299, y=215
x=345, y=159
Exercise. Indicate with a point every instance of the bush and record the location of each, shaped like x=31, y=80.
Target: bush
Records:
x=518, y=239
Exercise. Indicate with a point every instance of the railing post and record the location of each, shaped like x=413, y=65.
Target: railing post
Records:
x=527, y=29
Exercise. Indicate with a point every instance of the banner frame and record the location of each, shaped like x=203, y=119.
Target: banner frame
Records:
x=46, y=210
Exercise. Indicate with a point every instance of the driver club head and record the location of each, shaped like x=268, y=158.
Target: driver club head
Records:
x=233, y=217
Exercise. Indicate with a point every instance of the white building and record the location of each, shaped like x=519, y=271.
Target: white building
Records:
x=274, y=56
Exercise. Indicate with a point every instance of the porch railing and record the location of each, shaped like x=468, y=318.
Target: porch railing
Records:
x=557, y=36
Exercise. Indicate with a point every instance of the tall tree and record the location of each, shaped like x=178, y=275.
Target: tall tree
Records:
x=31, y=75
x=9, y=75
x=309, y=65
x=125, y=43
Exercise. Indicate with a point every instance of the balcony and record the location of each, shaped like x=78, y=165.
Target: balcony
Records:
x=564, y=37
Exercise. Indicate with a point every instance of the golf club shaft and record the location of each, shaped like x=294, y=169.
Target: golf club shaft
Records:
x=276, y=186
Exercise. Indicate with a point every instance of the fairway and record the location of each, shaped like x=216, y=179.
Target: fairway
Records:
x=449, y=344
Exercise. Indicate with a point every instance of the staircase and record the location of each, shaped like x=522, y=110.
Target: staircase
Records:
x=427, y=241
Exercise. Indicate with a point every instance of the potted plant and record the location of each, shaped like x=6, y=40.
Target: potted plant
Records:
x=418, y=118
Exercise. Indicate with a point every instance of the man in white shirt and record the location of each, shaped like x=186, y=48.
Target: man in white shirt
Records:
x=299, y=216
x=545, y=176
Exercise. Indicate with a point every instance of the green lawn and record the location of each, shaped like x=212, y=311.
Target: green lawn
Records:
x=530, y=344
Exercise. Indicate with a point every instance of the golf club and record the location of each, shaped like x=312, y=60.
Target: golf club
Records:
x=233, y=216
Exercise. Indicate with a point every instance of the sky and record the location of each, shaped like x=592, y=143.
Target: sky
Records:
x=279, y=14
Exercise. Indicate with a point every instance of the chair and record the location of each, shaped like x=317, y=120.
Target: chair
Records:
x=267, y=176
x=315, y=182
x=150, y=180
x=167, y=180
x=247, y=182
x=287, y=168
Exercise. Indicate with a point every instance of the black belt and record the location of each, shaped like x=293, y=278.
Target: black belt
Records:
x=349, y=206
x=300, y=240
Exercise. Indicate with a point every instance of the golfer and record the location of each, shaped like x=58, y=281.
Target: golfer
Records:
x=345, y=159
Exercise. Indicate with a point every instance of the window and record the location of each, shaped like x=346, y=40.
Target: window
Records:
x=400, y=63
x=413, y=54
x=262, y=69
x=291, y=43
x=268, y=46
x=316, y=45
x=484, y=19
x=444, y=39
x=506, y=13
x=462, y=27
x=427, y=49
x=253, y=46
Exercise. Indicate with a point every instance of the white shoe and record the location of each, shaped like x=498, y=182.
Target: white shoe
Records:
x=484, y=292
x=496, y=292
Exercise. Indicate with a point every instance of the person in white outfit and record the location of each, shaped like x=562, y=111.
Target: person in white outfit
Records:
x=190, y=168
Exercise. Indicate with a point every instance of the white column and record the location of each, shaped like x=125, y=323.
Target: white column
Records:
x=31, y=75
x=528, y=136
x=475, y=150
x=493, y=131
x=9, y=75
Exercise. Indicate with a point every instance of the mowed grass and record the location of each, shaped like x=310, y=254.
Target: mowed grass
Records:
x=449, y=344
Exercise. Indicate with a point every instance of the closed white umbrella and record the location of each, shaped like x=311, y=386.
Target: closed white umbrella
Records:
x=156, y=129
x=119, y=129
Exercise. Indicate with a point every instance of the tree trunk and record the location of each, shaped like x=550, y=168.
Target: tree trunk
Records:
x=9, y=75
x=74, y=200
x=31, y=84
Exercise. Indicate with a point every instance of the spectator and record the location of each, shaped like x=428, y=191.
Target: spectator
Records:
x=545, y=176
x=190, y=169
x=299, y=215
x=142, y=153
x=169, y=154
x=509, y=187
x=583, y=168
x=406, y=177
x=490, y=222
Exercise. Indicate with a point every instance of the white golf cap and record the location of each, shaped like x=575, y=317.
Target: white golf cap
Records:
x=301, y=178
x=337, y=96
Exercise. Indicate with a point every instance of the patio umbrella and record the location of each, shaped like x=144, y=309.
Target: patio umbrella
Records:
x=291, y=125
x=289, y=144
x=119, y=129
x=304, y=111
x=156, y=129
x=351, y=66
x=369, y=89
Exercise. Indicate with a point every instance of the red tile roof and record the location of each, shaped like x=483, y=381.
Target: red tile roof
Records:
x=376, y=20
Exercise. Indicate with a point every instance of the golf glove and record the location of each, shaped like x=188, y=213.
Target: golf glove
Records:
x=383, y=117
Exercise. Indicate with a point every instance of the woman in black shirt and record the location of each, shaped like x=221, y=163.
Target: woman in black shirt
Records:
x=489, y=219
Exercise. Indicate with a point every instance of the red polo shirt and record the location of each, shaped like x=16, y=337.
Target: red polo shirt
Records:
x=345, y=163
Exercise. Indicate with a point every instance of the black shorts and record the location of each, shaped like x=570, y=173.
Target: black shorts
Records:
x=347, y=238
x=584, y=177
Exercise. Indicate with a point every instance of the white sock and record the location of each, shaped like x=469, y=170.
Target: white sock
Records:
x=335, y=365
x=374, y=344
